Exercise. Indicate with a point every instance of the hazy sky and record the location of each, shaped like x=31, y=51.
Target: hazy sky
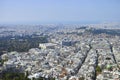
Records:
x=38, y=11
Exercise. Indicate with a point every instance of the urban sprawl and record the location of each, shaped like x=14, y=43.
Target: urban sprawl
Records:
x=70, y=54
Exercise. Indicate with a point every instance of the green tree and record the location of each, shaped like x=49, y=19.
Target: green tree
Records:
x=98, y=70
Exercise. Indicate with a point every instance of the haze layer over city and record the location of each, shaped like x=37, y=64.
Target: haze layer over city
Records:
x=60, y=40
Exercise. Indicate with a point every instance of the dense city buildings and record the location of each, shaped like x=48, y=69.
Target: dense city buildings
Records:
x=71, y=53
